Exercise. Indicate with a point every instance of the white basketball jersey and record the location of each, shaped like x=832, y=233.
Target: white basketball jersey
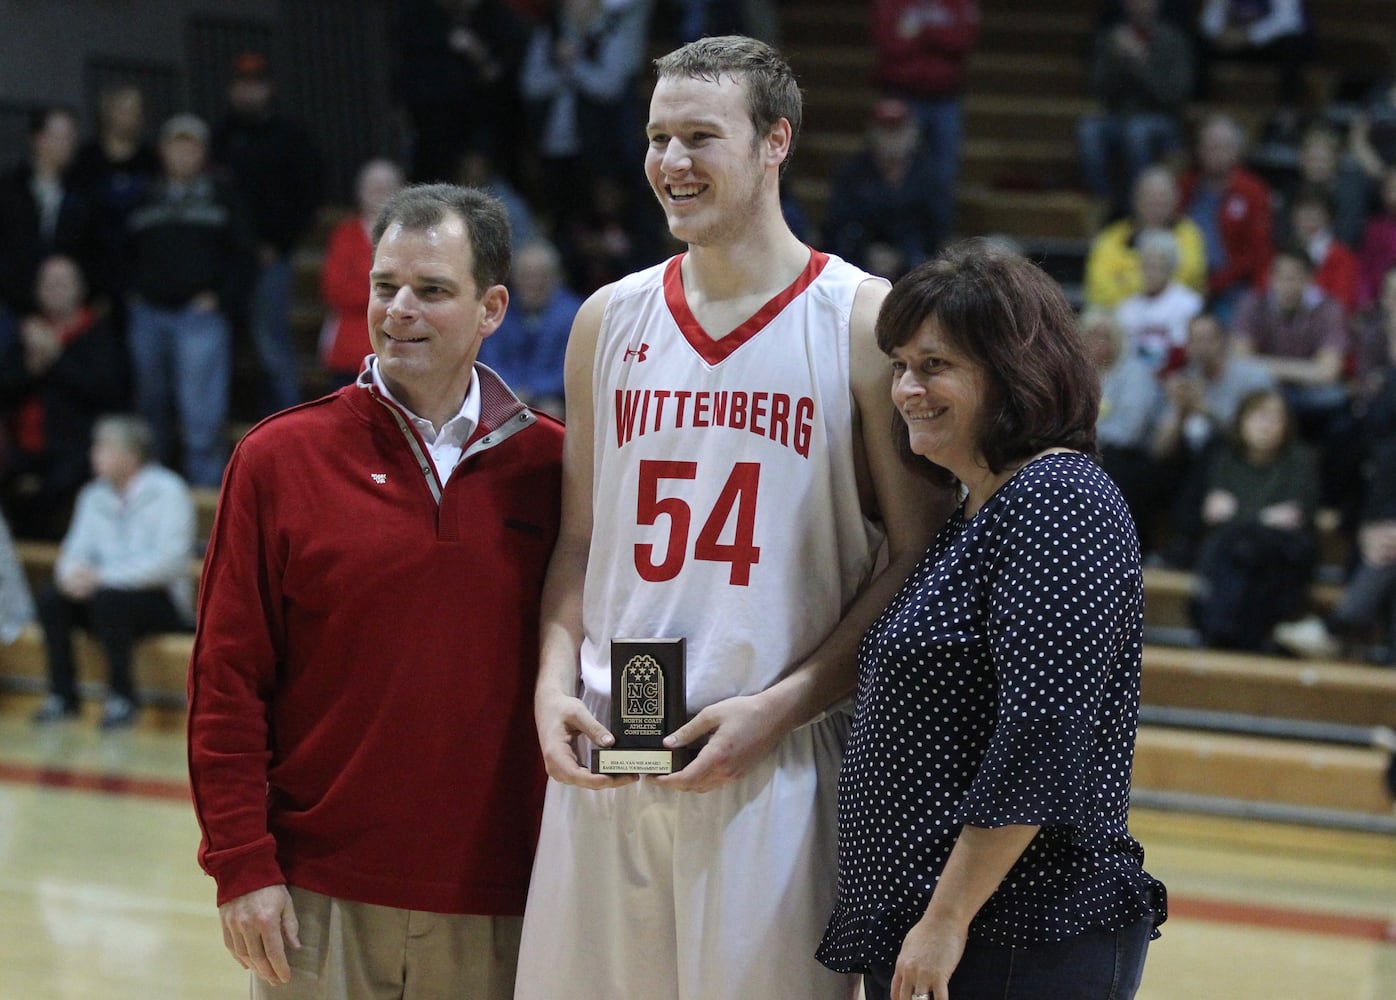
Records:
x=726, y=504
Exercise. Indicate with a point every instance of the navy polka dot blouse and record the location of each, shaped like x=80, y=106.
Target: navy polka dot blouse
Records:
x=1001, y=686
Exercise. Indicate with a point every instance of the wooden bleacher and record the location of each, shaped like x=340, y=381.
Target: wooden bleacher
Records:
x=1208, y=715
x=1299, y=777
x=1270, y=686
x=1167, y=592
x=160, y=662
x=1326, y=761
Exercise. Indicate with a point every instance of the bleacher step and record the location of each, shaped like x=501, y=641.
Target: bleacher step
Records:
x=1262, y=769
x=1254, y=684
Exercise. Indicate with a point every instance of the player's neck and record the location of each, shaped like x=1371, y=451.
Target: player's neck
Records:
x=760, y=262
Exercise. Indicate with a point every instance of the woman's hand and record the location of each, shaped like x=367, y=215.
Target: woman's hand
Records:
x=1219, y=507
x=930, y=954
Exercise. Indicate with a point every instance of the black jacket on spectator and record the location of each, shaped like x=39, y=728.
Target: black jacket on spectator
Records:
x=89, y=379
x=278, y=171
x=22, y=248
x=113, y=188
x=865, y=209
x=192, y=238
x=1379, y=495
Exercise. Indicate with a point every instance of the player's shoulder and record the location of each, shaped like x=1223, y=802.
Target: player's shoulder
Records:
x=647, y=280
x=848, y=290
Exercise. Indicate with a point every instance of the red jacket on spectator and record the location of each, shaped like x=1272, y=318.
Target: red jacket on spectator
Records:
x=344, y=287
x=1339, y=275
x=1245, y=229
x=922, y=47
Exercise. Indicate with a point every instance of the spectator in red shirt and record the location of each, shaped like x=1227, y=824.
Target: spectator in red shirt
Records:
x=344, y=339
x=63, y=368
x=1231, y=205
x=921, y=52
x=1336, y=270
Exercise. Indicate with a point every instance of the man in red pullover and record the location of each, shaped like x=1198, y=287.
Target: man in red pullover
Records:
x=361, y=746
x=1231, y=206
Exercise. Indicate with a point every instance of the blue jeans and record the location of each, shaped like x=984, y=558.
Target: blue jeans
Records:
x=1133, y=141
x=942, y=125
x=280, y=384
x=1096, y=965
x=183, y=365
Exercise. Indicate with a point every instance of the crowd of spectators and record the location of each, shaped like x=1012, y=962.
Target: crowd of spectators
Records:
x=1249, y=284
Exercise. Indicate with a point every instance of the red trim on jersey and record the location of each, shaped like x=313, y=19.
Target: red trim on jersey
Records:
x=715, y=351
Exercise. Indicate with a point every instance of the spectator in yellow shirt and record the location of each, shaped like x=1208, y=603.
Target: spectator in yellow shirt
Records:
x=1112, y=267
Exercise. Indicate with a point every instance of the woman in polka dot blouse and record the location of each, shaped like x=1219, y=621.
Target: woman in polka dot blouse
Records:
x=983, y=803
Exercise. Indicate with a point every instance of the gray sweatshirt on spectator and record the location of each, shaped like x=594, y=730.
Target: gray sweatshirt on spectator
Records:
x=142, y=539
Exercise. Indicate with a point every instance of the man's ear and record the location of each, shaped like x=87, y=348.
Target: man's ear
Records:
x=493, y=305
x=778, y=141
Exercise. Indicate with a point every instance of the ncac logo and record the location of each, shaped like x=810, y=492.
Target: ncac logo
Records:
x=637, y=354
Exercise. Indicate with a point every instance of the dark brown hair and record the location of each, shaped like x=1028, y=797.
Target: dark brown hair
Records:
x=1010, y=319
x=420, y=206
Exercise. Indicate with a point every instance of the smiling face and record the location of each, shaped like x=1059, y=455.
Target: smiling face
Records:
x=939, y=391
x=705, y=163
x=425, y=316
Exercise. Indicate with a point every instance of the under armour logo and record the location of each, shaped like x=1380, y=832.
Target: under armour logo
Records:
x=379, y=477
x=637, y=355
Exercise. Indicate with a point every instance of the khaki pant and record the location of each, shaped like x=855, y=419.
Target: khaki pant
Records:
x=357, y=951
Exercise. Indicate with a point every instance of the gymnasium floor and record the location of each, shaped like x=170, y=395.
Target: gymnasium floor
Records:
x=100, y=896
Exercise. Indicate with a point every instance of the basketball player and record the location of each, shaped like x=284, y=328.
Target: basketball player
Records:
x=729, y=477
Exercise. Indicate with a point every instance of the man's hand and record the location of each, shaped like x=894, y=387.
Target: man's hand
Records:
x=560, y=719
x=257, y=928
x=740, y=731
x=80, y=582
x=42, y=345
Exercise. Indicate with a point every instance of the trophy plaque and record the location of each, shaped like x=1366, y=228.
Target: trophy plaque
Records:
x=647, y=704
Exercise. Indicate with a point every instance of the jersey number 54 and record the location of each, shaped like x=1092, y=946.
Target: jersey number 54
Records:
x=738, y=497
